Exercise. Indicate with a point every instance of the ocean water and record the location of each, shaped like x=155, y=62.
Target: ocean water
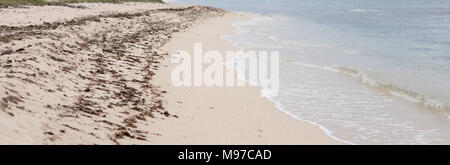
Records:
x=367, y=72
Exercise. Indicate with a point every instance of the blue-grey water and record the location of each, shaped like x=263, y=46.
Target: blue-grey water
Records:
x=368, y=71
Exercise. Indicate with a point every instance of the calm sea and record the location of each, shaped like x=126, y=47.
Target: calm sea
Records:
x=366, y=71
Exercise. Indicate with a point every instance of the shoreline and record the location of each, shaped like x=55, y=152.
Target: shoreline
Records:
x=264, y=123
x=276, y=103
x=102, y=76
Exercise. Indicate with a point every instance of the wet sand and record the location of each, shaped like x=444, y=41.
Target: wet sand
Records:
x=224, y=115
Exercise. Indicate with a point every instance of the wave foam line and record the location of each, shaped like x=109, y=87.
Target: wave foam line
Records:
x=278, y=105
x=427, y=101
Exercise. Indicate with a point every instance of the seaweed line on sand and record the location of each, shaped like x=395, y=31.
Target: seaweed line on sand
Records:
x=91, y=75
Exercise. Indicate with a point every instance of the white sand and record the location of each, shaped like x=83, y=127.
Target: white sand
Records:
x=53, y=83
x=38, y=14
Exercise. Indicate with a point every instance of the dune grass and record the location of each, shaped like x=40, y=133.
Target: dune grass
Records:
x=109, y=1
x=15, y=3
x=21, y=2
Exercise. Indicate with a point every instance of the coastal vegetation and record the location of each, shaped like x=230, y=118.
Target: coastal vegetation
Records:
x=18, y=3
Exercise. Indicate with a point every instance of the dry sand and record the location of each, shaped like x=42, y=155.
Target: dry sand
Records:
x=86, y=80
x=31, y=15
x=100, y=75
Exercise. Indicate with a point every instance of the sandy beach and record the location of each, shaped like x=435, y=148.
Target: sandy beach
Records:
x=100, y=74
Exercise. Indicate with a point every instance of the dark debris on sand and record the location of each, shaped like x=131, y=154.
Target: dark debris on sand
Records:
x=102, y=77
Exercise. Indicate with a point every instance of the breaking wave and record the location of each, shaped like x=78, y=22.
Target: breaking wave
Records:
x=427, y=101
x=364, y=11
